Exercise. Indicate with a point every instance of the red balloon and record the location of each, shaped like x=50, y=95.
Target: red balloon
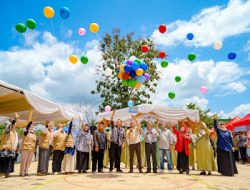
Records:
x=162, y=28
x=144, y=48
x=125, y=76
x=162, y=54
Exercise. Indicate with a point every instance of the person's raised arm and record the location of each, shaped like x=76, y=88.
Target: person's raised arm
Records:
x=27, y=128
x=138, y=124
x=112, y=119
x=215, y=117
x=70, y=127
x=174, y=129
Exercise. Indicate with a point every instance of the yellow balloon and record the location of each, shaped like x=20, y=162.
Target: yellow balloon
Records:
x=138, y=85
x=120, y=75
x=122, y=68
x=48, y=12
x=139, y=72
x=73, y=59
x=94, y=27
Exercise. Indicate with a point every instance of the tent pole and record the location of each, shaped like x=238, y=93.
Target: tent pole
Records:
x=30, y=115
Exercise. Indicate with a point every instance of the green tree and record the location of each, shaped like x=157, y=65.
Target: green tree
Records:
x=116, y=48
x=203, y=113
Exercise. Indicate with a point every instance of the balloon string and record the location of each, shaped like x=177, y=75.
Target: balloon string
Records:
x=52, y=26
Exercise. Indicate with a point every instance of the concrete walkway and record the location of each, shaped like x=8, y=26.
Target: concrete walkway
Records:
x=125, y=181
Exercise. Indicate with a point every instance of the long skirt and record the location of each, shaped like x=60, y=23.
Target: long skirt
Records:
x=43, y=161
x=7, y=160
x=68, y=164
x=182, y=161
x=226, y=163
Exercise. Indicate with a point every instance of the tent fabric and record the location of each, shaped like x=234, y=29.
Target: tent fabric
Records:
x=148, y=111
x=14, y=99
x=229, y=125
x=244, y=121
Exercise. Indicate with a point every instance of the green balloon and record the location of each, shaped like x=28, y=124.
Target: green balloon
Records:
x=137, y=61
x=84, y=59
x=132, y=83
x=21, y=28
x=31, y=24
x=191, y=57
x=125, y=82
x=177, y=79
x=164, y=63
x=171, y=95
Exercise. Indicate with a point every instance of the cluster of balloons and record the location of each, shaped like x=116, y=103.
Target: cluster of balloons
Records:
x=74, y=59
x=30, y=23
x=50, y=13
x=133, y=72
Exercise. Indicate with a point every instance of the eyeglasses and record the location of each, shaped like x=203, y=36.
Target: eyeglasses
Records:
x=222, y=124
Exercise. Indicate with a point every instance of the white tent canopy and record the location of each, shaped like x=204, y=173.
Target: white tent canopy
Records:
x=148, y=111
x=14, y=99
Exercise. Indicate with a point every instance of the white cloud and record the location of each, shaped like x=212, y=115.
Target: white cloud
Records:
x=240, y=110
x=43, y=68
x=209, y=25
x=247, y=49
x=236, y=86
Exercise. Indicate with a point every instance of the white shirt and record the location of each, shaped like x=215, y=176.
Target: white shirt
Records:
x=134, y=135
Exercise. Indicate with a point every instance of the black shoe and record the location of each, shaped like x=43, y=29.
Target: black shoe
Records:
x=187, y=172
x=84, y=171
x=79, y=171
x=155, y=171
x=209, y=173
x=203, y=173
x=7, y=175
x=148, y=171
x=119, y=171
x=100, y=171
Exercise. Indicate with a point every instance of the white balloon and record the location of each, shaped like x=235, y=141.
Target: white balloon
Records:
x=218, y=45
x=132, y=58
x=108, y=72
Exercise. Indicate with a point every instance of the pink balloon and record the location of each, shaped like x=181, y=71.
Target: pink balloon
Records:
x=107, y=108
x=204, y=89
x=81, y=31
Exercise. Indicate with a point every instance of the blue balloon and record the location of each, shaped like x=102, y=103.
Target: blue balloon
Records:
x=141, y=79
x=130, y=103
x=127, y=68
x=231, y=55
x=64, y=12
x=132, y=74
x=144, y=66
x=135, y=66
x=124, y=62
x=190, y=36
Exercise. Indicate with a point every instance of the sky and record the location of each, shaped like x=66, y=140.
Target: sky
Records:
x=38, y=60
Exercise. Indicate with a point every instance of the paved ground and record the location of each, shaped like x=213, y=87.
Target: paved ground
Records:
x=127, y=181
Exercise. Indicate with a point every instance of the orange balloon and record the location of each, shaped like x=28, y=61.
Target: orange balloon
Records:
x=138, y=85
x=139, y=72
x=122, y=68
x=120, y=75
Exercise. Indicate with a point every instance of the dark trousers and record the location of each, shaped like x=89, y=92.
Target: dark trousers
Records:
x=150, y=150
x=43, y=160
x=115, y=156
x=135, y=148
x=6, y=165
x=243, y=154
x=82, y=161
x=97, y=157
x=236, y=155
x=57, y=160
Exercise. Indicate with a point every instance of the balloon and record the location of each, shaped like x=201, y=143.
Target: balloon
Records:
x=135, y=66
x=122, y=68
x=124, y=62
x=164, y=63
x=132, y=83
x=162, y=28
x=177, y=79
x=21, y=28
x=141, y=79
x=132, y=58
x=31, y=24
x=171, y=95
x=203, y=89
x=129, y=62
x=48, y=12
x=64, y=12
x=108, y=72
x=107, y=108
x=81, y=31
x=144, y=66
x=139, y=72
x=162, y=54
x=137, y=60
x=130, y=103
x=191, y=57
x=132, y=74
x=120, y=75
x=138, y=85
x=147, y=76
x=127, y=68
x=144, y=48
x=217, y=45
x=94, y=27
x=84, y=59
x=190, y=36
x=125, y=76
x=73, y=59
x=231, y=55
x=125, y=82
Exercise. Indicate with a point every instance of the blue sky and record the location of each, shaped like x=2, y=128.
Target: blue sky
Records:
x=228, y=82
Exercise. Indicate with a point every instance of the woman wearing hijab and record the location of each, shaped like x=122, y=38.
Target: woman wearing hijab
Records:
x=191, y=147
x=183, y=139
x=8, y=148
x=28, y=149
x=204, y=151
x=225, y=147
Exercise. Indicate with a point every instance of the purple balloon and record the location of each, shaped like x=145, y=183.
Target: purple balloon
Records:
x=129, y=62
x=147, y=76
